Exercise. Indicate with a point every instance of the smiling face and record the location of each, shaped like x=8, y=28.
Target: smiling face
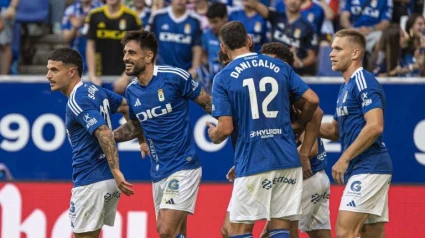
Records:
x=135, y=58
x=59, y=75
x=341, y=54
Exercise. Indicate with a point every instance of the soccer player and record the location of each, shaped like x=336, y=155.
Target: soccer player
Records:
x=179, y=33
x=365, y=165
x=96, y=174
x=253, y=91
x=315, y=218
x=158, y=101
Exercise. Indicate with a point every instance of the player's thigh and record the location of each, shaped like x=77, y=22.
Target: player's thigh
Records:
x=287, y=187
x=179, y=191
x=375, y=230
x=265, y=232
x=349, y=223
x=315, y=203
x=367, y=194
x=240, y=228
x=93, y=234
x=320, y=233
x=293, y=229
x=93, y=206
x=226, y=226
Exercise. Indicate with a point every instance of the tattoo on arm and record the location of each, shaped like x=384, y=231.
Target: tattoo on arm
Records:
x=204, y=100
x=128, y=131
x=107, y=143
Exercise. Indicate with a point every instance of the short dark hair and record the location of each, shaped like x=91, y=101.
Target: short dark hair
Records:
x=68, y=56
x=281, y=51
x=146, y=39
x=353, y=36
x=233, y=35
x=217, y=9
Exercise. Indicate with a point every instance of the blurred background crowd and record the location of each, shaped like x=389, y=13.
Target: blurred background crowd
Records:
x=187, y=33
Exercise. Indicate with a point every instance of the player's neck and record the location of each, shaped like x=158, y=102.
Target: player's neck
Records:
x=146, y=76
x=87, y=5
x=114, y=9
x=237, y=52
x=249, y=11
x=351, y=69
x=67, y=91
x=178, y=13
x=292, y=16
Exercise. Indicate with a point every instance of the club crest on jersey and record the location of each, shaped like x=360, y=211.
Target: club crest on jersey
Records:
x=297, y=33
x=345, y=97
x=187, y=28
x=161, y=96
x=310, y=17
x=257, y=26
x=123, y=24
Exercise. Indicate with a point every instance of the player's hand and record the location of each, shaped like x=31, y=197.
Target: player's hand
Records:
x=231, y=174
x=144, y=148
x=123, y=185
x=250, y=3
x=121, y=84
x=211, y=129
x=338, y=170
x=76, y=21
x=10, y=13
x=306, y=166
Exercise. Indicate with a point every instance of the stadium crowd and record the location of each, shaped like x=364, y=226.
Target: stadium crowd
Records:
x=187, y=32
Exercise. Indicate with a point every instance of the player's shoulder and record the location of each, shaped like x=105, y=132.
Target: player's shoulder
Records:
x=132, y=85
x=163, y=12
x=171, y=72
x=129, y=11
x=194, y=16
x=364, y=79
x=97, y=11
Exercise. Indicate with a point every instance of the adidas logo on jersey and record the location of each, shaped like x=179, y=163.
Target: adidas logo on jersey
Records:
x=171, y=201
x=137, y=103
x=101, y=25
x=351, y=204
x=165, y=27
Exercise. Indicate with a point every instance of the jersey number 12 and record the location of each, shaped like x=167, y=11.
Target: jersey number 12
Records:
x=253, y=96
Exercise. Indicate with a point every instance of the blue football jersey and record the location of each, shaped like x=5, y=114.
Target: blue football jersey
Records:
x=89, y=106
x=298, y=34
x=256, y=27
x=319, y=162
x=313, y=13
x=211, y=44
x=369, y=12
x=361, y=94
x=408, y=60
x=176, y=36
x=254, y=89
x=162, y=108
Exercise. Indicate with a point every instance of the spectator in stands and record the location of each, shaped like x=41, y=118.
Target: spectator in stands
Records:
x=106, y=27
x=294, y=31
x=1, y=24
x=72, y=26
x=7, y=15
x=217, y=17
x=369, y=17
x=142, y=10
x=387, y=53
x=179, y=33
x=201, y=7
x=414, y=52
x=57, y=8
x=255, y=25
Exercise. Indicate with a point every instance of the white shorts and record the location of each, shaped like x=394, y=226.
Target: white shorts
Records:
x=93, y=206
x=367, y=193
x=272, y=194
x=315, y=203
x=178, y=191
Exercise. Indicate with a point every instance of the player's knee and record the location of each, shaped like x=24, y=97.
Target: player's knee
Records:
x=225, y=231
x=166, y=231
x=342, y=232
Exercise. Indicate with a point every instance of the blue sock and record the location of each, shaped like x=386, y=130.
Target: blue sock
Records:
x=279, y=233
x=249, y=235
x=180, y=236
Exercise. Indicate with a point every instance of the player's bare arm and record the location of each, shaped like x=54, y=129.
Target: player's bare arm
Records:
x=223, y=129
x=368, y=135
x=128, y=131
x=107, y=143
x=329, y=131
x=311, y=102
x=204, y=100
